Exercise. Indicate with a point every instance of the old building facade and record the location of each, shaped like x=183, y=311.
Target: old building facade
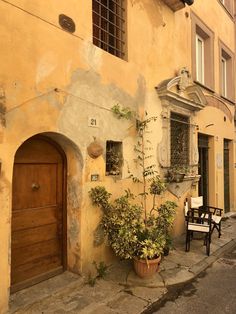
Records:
x=63, y=67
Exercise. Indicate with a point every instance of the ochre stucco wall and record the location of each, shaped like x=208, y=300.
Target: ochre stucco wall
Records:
x=54, y=81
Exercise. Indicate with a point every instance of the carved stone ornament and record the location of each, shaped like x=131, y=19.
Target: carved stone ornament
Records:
x=178, y=189
x=182, y=92
x=95, y=149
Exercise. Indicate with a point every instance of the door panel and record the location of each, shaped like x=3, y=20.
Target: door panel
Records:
x=30, y=270
x=34, y=217
x=35, y=252
x=226, y=177
x=37, y=213
x=43, y=233
x=203, y=168
x=34, y=185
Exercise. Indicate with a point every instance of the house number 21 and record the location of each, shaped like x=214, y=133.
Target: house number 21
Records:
x=93, y=122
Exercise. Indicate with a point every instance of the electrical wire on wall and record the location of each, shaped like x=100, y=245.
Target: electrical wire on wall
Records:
x=58, y=90
x=41, y=18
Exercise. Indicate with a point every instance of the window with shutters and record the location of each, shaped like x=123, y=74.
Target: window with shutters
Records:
x=226, y=72
x=202, y=53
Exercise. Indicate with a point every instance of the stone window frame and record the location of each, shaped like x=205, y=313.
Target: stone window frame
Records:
x=199, y=28
x=228, y=56
x=182, y=96
x=228, y=5
x=165, y=147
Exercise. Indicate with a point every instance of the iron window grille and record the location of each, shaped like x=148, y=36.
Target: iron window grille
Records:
x=180, y=133
x=109, y=26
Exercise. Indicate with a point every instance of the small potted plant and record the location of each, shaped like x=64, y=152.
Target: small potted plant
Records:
x=176, y=174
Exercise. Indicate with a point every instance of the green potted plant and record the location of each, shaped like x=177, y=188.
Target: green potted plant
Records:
x=166, y=214
x=130, y=235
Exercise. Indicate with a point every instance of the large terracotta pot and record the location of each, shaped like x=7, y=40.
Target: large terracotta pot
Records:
x=145, y=269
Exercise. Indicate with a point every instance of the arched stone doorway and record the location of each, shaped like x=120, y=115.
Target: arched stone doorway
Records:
x=38, y=249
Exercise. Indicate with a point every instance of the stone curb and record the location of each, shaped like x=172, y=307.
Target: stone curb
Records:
x=202, y=265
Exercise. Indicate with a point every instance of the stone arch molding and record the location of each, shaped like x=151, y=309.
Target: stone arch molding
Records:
x=181, y=95
x=74, y=189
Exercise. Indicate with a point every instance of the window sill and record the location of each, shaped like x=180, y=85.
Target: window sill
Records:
x=230, y=14
x=195, y=178
x=180, y=188
x=183, y=178
x=174, y=5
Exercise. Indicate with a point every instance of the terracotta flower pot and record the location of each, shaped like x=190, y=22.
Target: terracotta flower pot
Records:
x=146, y=269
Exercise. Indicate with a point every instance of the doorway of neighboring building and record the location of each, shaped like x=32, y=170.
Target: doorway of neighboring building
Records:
x=38, y=249
x=226, y=177
x=203, y=167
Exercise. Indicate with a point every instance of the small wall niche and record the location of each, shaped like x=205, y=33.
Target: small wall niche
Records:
x=114, y=158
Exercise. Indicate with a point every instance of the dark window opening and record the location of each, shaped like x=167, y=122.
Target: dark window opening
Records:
x=109, y=26
x=114, y=158
x=179, y=140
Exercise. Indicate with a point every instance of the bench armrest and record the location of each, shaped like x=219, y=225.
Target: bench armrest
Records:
x=215, y=210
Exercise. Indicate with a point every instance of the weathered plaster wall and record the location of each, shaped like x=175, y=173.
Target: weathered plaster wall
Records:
x=54, y=81
x=215, y=123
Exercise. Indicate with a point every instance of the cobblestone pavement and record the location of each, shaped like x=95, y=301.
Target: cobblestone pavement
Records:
x=122, y=292
x=213, y=291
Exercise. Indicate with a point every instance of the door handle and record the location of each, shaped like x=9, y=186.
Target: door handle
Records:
x=35, y=186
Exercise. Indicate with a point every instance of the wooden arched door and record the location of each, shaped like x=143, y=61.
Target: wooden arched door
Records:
x=38, y=220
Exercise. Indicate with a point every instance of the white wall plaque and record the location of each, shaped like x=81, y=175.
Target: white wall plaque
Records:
x=93, y=122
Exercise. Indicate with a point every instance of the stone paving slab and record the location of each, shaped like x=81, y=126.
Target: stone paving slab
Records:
x=176, y=276
x=122, y=292
x=128, y=304
x=155, y=281
x=148, y=294
x=44, y=289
